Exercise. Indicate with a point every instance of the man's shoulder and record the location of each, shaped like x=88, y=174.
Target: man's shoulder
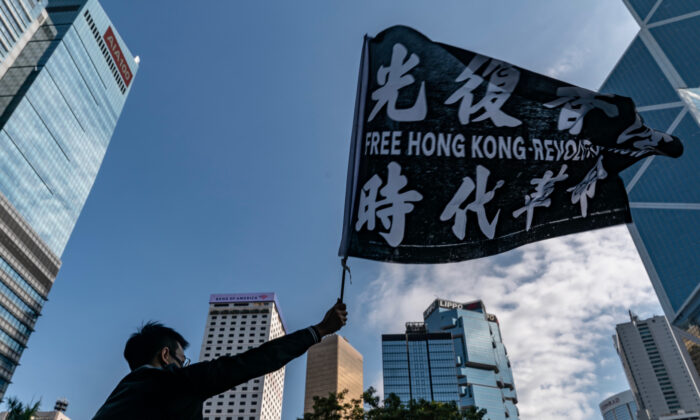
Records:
x=144, y=375
x=143, y=393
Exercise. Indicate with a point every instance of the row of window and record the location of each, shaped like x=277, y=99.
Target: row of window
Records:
x=221, y=403
x=236, y=316
x=16, y=17
x=228, y=418
x=21, y=282
x=230, y=410
x=213, y=323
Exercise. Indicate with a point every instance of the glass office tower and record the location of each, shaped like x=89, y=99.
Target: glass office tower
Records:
x=61, y=94
x=485, y=378
x=419, y=365
x=661, y=71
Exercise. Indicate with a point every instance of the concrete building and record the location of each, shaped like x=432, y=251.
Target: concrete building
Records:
x=661, y=71
x=65, y=75
x=235, y=324
x=19, y=20
x=332, y=365
x=620, y=406
x=660, y=375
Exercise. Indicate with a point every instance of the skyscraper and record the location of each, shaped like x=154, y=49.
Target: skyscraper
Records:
x=661, y=71
x=236, y=323
x=332, y=365
x=457, y=341
x=64, y=77
x=419, y=365
x=485, y=378
x=620, y=406
x=19, y=20
x=660, y=376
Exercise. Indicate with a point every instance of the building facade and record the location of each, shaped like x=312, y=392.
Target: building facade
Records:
x=235, y=324
x=332, y=365
x=620, y=406
x=485, y=378
x=419, y=365
x=661, y=378
x=456, y=354
x=661, y=71
x=63, y=85
x=19, y=20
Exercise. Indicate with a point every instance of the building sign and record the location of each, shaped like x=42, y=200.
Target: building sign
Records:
x=243, y=297
x=442, y=303
x=118, y=56
x=456, y=155
x=609, y=403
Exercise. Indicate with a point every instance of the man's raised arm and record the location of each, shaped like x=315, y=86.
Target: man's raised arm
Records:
x=216, y=376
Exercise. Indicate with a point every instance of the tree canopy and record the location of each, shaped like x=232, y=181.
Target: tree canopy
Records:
x=335, y=407
x=19, y=411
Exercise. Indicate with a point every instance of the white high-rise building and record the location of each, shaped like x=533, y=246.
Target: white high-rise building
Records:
x=658, y=368
x=236, y=323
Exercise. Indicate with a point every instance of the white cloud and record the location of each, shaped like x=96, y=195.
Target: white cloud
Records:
x=557, y=302
x=571, y=60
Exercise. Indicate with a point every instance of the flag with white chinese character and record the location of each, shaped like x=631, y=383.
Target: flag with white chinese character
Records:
x=456, y=155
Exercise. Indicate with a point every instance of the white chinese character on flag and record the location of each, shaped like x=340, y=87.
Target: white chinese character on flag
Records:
x=455, y=210
x=392, y=210
x=544, y=187
x=586, y=188
x=392, y=79
x=577, y=103
x=504, y=78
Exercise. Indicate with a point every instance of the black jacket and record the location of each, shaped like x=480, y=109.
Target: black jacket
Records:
x=170, y=393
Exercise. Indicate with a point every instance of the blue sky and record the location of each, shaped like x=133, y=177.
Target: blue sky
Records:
x=226, y=174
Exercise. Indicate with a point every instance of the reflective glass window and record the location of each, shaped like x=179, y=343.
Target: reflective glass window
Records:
x=479, y=342
x=679, y=42
x=642, y=7
x=636, y=69
x=672, y=8
x=673, y=180
x=671, y=235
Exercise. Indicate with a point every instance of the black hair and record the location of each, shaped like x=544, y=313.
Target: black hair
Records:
x=148, y=341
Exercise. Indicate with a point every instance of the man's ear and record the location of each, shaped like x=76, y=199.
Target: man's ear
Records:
x=164, y=355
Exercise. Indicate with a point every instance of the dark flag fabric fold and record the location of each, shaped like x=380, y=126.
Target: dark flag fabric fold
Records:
x=456, y=155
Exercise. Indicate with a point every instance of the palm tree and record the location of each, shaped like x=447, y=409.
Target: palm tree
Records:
x=18, y=411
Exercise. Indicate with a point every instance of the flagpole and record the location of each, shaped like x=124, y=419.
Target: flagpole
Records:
x=343, y=263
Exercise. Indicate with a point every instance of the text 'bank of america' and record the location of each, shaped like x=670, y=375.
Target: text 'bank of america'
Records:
x=65, y=74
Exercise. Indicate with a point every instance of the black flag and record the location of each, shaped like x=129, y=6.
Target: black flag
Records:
x=456, y=155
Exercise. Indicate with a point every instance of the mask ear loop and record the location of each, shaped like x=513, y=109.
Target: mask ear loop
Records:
x=346, y=269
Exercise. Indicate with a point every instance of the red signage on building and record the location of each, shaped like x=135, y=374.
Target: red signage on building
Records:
x=118, y=56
